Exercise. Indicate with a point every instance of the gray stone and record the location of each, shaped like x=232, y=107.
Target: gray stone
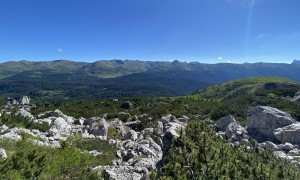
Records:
x=290, y=134
x=132, y=135
x=263, y=120
x=224, y=122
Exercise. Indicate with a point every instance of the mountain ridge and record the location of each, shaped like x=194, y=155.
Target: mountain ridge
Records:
x=118, y=78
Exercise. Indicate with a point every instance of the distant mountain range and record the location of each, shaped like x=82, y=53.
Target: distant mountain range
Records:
x=117, y=78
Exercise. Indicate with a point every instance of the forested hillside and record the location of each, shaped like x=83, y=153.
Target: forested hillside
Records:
x=116, y=78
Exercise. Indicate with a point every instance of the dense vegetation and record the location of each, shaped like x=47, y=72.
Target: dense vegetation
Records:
x=26, y=161
x=200, y=154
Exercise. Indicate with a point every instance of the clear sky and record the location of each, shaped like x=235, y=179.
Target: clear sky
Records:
x=207, y=31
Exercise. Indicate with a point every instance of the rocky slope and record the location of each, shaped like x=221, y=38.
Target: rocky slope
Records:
x=137, y=153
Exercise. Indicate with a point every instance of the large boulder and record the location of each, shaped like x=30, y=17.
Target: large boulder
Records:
x=60, y=129
x=263, y=120
x=224, y=122
x=290, y=134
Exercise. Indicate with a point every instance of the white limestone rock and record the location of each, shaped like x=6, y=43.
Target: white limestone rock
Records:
x=263, y=120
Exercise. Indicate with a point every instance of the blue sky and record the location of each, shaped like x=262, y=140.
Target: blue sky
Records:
x=207, y=31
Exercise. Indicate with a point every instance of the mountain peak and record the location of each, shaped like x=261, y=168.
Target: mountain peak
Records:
x=296, y=61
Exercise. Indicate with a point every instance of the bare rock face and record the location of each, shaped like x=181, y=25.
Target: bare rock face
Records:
x=224, y=122
x=290, y=134
x=263, y=120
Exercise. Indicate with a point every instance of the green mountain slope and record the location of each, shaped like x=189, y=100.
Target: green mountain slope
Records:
x=117, y=78
x=235, y=97
x=235, y=88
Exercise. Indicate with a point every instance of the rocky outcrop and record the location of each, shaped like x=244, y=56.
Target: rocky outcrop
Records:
x=263, y=120
x=290, y=134
x=224, y=122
